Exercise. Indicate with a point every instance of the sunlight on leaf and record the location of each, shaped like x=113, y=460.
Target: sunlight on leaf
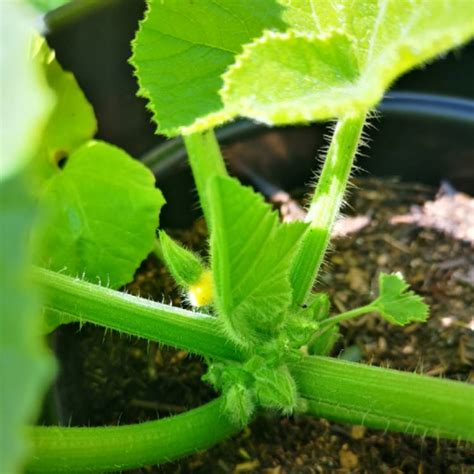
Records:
x=26, y=99
x=307, y=71
x=182, y=49
x=340, y=56
x=285, y=61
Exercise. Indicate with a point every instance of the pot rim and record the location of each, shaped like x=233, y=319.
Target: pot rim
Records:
x=163, y=158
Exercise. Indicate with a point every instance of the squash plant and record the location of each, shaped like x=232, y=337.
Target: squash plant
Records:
x=86, y=214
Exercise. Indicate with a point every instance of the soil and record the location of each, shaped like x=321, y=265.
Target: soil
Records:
x=107, y=378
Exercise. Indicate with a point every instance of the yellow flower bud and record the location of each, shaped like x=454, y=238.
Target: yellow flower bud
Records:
x=201, y=293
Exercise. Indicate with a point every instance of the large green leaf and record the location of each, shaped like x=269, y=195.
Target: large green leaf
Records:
x=25, y=365
x=340, y=56
x=103, y=214
x=85, y=231
x=182, y=49
x=313, y=77
x=251, y=256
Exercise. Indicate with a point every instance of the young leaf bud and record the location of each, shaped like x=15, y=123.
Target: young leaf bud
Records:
x=185, y=266
x=188, y=270
x=318, y=307
x=299, y=330
x=239, y=404
x=322, y=344
x=275, y=388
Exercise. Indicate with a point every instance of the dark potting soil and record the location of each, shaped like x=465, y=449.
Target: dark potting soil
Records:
x=108, y=378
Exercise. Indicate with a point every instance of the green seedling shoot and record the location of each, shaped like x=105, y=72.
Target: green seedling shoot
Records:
x=259, y=320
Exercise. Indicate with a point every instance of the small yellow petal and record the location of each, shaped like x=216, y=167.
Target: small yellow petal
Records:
x=201, y=293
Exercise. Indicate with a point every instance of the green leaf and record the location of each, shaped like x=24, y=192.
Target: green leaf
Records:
x=322, y=344
x=299, y=329
x=396, y=303
x=312, y=78
x=103, y=214
x=251, y=255
x=26, y=99
x=185, y=266
x=239, y=404
x=317, y=308
x=275, y=388
x=340, y=56
x=183, y=47
x=26, y=367
x=302, y=323
x=72, y=121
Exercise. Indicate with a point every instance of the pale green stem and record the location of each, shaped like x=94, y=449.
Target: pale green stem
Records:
x=386, y=399
x=337, y=390
x=325, y=205
x=206, y=162
x=116, y=448
x=72, y=298
x=353, y=313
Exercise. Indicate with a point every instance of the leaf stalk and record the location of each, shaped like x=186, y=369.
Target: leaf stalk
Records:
x=206, y=161
x=325, y=205
x=353, y=313
x=337, y=390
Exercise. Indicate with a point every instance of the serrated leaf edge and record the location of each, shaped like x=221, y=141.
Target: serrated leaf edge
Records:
x=371, y=87
x=405, y=292
x=245, y=108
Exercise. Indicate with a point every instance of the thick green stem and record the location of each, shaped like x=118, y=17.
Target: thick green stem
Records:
x=386, y=399
x=337, y=390
x=325, y=205
x=206, y=162
x=57, y=449
x=74, y=298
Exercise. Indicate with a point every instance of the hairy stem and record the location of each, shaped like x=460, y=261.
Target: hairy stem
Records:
x=386, y=399
x=74, y=298
x=325, y=205
x=58, y=449
x=337, y=390
x=206, y=162
x=353, y=313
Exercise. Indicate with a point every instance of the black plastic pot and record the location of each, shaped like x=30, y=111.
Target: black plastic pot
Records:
x=420, y=138
x=96, y=47
x=416, y=137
